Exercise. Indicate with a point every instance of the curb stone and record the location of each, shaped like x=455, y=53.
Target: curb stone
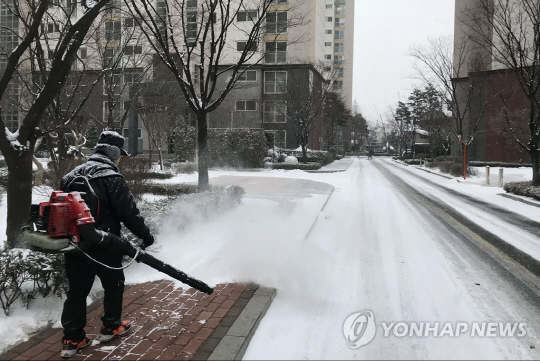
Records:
x=530, y=203
x=234, y=344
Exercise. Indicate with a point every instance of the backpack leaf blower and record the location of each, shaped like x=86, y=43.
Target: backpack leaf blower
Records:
x=64, y=222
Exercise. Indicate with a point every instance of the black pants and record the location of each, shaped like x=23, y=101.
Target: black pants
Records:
x=81, y=273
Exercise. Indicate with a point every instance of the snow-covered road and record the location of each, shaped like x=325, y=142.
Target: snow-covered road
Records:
x=374, y=247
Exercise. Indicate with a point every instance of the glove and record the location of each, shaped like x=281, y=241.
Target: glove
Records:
x=147, y=242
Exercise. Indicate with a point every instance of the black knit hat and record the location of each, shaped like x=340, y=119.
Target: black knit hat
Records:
x=109, y=137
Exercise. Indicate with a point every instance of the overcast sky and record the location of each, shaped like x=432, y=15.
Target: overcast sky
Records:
x=384, y=32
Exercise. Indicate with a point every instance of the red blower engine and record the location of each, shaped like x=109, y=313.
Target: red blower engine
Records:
x=55, y=227
x=56, y=222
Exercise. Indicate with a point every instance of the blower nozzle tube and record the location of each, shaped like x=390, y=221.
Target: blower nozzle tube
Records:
x=117, y=244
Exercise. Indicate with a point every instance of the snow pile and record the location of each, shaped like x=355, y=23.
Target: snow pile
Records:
x=291, y=159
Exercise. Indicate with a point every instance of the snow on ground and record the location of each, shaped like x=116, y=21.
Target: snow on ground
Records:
x=367, y=251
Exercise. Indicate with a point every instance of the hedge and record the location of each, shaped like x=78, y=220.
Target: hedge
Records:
x=476, y=163
x=523, y=189
x=301, y=166
x=321, y=157
x=239, y=148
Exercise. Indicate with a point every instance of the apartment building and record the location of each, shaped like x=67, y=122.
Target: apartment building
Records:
x=300, y=35
x=498, y=106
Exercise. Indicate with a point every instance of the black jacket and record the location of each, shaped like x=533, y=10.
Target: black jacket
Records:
x=116, y=202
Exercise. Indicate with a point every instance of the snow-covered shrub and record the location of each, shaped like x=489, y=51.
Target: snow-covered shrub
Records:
x=184, y=167
x=300, y=166
x=240, y=148
x=25, y=274
x=55, y=171
x=136, y=171
x=170, y=190
x=188, y=208
x=159, y=175
x=321, y=157
x=291, y=159
x=453, y=168
x=523, y=189
x=184, y=138
x=476, y=163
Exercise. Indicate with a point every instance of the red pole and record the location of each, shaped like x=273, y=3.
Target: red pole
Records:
x=464, y=161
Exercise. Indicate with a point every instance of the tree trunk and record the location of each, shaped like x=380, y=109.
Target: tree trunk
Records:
x=535, y=167
x=160, y=154
x=38, y=180
x=204, y=183
x=19, y=194
x=304, y=148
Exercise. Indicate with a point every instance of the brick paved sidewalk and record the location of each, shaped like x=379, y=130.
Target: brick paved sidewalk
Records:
x=167, y=323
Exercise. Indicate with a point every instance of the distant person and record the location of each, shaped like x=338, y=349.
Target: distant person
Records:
x=370, y=154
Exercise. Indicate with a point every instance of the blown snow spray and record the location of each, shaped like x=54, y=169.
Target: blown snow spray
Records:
x=62, y=223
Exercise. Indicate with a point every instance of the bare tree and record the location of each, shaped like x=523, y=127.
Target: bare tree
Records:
x=126, y=60
x=160, y=117
x=400, y=123
x=18, y=147
x=510, y=32
x=193, y=40
x=305, y=91
x=440, y=63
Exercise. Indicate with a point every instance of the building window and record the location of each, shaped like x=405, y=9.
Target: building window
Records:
x=338, y=48
x=133, y=50
x=276, y=137
x=133, y=76
x=339, y=35
x=246, y=105
x=51, y=27
x=112, y=83
x=328, y=31
x=328, y=57
x=329, y=6
x=11, y=120
x=275, y=111
x=113, y=30
x=83, y=52
x=276, y=53
x=50, y=54
x=327, y=44
x=276, y=22
x=276, y=2
x=247, y=16
x=241, y=46
x=248, y=75
x=129, y=22
x=340, y=22
x=338, y=59
x=109, y=54
x=337, y=85
x=126, y=133
x=340, y=10
x=191, y=25
x=191, y=3
x=116, y=111
x=275, y=82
